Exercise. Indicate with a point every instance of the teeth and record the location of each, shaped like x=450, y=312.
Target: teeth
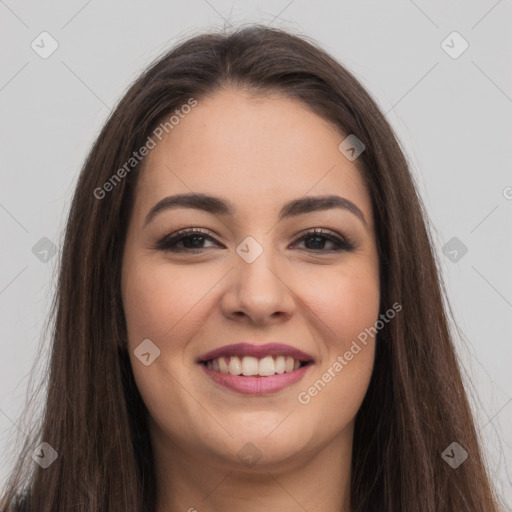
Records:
x=251, y=366
x=235, y=366
x=266, y=366
x=280, y=364
x=223, y=365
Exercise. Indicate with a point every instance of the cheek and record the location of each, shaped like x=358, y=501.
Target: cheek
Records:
x=355, y=306
x=346, y=307
x=345, y=300
x=159, y=306
x=162, y=303
x=158, y=302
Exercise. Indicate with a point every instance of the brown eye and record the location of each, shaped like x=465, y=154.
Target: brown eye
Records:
x=191, y=240
x=316, y=240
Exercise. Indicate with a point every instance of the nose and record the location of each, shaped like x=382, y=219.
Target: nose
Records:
x=258, y=292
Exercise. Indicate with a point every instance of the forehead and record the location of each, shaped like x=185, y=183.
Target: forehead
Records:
x=258, y=152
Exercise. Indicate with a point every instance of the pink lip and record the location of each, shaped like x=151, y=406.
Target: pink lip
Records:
x=256, y=385
x=259, y=351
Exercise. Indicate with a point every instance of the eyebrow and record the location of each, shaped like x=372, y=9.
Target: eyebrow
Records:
x=218, y=206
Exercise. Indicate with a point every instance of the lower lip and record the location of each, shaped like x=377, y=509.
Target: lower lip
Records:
x=256, y=385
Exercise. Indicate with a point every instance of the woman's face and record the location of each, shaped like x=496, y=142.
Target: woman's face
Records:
x=254, y=275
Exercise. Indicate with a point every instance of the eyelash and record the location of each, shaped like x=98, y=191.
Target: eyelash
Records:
x=168, y=243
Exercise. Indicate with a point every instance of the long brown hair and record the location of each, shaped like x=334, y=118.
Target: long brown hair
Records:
x=94, y=417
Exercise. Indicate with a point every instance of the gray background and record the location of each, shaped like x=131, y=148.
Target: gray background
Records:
x=452, y=116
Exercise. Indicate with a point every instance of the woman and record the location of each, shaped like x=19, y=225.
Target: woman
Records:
x=249, y=314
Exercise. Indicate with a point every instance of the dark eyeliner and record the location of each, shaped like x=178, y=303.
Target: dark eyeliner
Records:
x=168, y=242
x=341, y=242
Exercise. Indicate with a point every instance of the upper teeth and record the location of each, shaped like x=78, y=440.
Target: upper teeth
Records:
x=248, y=365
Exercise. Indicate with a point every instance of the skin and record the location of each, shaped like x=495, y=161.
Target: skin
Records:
x=257, y=152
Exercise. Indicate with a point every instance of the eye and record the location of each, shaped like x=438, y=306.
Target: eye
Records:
x=193, y=240
x=319, y=238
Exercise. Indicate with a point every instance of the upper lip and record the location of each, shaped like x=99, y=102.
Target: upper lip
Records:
x=258, y=351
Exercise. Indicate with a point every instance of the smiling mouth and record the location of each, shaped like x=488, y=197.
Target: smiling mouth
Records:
x=249, y=366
